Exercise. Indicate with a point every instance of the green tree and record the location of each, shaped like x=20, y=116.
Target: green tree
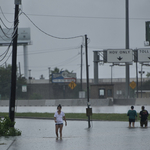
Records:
x=5, y=78
x=5, y=82
x=148, y=74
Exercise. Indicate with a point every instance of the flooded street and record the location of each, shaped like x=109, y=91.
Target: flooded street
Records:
x=38, y=134
x=104, y=135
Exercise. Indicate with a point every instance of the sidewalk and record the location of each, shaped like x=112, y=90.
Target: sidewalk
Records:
x=40, y=135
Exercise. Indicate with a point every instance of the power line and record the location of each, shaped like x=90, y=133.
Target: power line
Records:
x=6, y=59
x=4, y=16
x=4, y=23
x=49, y=51
x=85, y=17
x=67, y=38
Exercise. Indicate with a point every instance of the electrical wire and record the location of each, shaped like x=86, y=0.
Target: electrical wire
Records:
x=15, y=28
x=5, y=53
x=69, y=62
x=6, y=59
x=67, y=38
x=4, y=32
x=4, y=16
x=49, y=51
x=66, y=61
x=7, y=48
x=3, y=23
x=86, y=17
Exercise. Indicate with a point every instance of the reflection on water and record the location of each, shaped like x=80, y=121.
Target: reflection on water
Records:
x=75, y=109
x=104, y=135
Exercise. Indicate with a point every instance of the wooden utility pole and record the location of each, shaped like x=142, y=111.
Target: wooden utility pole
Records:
x=14, y=64
x=87, y=77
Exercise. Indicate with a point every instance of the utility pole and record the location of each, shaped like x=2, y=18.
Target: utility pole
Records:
x=49, y=80
x=137, y=82
x=127, y=47
x=14, y=60
x=87, y=77
x=81, y=67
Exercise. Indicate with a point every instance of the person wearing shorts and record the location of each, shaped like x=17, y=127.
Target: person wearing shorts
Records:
x=132, y=116
x=58, y=118
x=143, y=115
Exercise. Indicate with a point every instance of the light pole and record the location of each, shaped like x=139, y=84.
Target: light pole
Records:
x=127, y=47
x=49, y=81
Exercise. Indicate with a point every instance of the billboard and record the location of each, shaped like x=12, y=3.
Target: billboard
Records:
x=23, y=36
x=63, y=77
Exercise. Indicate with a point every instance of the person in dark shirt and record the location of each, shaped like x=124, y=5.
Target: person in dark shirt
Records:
x=143, y=115
x=132, y=116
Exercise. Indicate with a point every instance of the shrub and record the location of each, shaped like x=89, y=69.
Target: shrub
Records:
x=7, y=129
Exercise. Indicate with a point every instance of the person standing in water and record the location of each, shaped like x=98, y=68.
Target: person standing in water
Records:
x=143, y=115
x=59, y=116
x=132, y=116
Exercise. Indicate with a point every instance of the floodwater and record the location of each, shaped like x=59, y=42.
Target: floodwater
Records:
x=103, y=135
x=74, y=109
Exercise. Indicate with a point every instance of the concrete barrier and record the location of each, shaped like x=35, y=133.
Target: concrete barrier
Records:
x=124, y=101
x=63, y=102
x=142, y=101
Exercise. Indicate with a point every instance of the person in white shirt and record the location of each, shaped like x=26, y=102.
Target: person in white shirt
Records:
x=58, y=118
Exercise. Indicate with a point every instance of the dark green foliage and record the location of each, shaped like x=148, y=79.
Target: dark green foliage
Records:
x=6, y=128
x=5, y=83
x=5, y=77
x=148, y=74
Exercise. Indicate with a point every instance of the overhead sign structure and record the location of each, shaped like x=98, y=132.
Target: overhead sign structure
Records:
x=133, y=85
x=143, y=55
x=72, y=85
x=119, y=55
x=63, y=77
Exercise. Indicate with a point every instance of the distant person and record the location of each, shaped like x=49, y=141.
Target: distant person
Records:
x=58, y=118
x=132, y=116
x=143, y=115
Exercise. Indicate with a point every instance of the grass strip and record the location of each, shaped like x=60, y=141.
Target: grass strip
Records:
x=81, y=116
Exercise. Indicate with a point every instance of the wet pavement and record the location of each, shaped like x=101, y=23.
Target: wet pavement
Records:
x=103, y=135
x=74, y=109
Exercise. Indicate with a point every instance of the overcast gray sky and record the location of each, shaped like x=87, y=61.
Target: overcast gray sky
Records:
x=102, y=20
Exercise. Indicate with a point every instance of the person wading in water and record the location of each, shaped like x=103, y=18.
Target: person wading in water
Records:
x=59, y=116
